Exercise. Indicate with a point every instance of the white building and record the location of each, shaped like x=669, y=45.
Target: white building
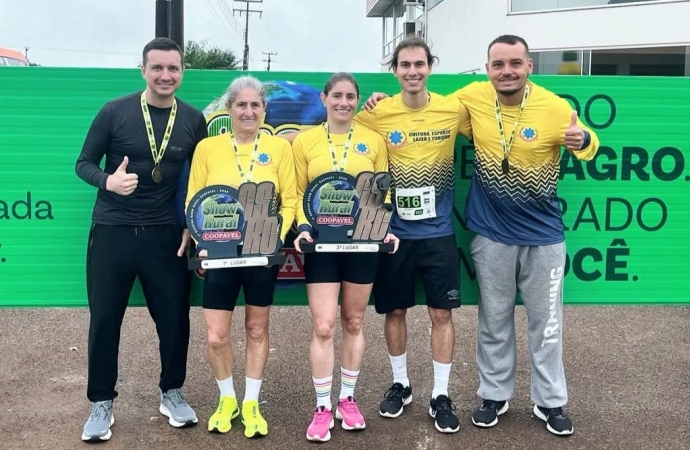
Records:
x=588, y=37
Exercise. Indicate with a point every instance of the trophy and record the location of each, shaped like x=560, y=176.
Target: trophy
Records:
x=238, y=227
x=348, y=214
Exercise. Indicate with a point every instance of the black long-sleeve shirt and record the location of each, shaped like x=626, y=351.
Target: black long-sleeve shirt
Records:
x=117, y=131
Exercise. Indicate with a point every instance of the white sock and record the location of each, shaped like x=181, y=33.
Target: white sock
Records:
x=441, y=377
x=323, y=391
x=348, y=379
x=399, y=365
x=226, y=387
x=252, y=389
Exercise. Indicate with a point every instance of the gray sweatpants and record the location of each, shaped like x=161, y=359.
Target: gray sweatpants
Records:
x=536, y=272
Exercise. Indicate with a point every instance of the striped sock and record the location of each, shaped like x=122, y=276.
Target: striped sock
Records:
x=323, y=391
x=348, y=379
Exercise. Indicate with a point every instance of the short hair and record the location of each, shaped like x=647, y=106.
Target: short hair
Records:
x=161, y=43
x=412, y=42
x=509, y=39
x=242, y=83
x=337, y=77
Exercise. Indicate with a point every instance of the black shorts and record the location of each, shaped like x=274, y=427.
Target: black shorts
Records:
x=437, y=262
x=357, y=268
x=222, y=287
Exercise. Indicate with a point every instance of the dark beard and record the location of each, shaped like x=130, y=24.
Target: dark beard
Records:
x=510, y=92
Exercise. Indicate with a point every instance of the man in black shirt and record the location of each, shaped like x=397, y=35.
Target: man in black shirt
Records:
x=148, y=139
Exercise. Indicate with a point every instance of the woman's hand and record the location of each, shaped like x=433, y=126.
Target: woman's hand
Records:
x=303, y=235
x=396, y=242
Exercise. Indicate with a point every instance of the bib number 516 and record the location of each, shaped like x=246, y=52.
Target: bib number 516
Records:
x=409, y=202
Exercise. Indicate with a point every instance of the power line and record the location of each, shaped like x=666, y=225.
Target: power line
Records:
x=247, y=11
x=222, y=25
x=268, y=67
x=227, y=13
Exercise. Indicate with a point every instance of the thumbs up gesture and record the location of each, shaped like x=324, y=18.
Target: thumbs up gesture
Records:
x=120, y=181
x=574, y=135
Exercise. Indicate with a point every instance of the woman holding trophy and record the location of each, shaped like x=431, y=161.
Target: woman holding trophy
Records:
x=242, y=155
x=339, y=146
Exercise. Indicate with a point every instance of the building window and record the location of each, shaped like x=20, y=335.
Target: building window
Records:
x=402, y=19
x=568, y=62
x=14, y=62
x=656, y=61
x=393, y=20
x=549, y=5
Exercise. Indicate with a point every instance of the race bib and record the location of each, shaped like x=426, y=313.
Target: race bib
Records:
x=416, y=203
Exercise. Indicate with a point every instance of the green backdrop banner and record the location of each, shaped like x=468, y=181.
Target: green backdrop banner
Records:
x=626, y=212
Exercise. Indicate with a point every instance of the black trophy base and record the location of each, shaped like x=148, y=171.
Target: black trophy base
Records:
x=236, y=261
x=346, y=247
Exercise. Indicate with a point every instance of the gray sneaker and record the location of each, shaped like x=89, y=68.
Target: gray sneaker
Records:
x=175, y=407
x=97, y=427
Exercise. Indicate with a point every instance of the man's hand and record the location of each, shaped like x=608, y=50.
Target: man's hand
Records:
x=574, y=135
x=303, y=235
x=186, y=238
x=121, y=182
x=373, y=100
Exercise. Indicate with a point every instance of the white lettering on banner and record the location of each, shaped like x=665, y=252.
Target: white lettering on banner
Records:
x=551, y=330
x=293, y=268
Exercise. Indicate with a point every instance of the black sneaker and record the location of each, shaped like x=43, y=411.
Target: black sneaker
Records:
x=556, y=420
x=395, y=398
x=442, y=409
x=486, y=415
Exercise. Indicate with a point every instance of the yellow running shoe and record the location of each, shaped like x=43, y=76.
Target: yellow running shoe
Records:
x=220, y=421
x=254, y=423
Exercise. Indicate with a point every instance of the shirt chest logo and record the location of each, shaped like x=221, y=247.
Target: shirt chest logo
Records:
x=396, y=139
x=264, y=159
x=362, y=149
x=528, y=134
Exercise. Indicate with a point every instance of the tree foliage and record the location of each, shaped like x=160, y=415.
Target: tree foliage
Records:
x=199, y=55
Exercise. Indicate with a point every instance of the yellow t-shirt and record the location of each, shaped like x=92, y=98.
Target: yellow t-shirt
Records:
x=214, y=163
x=312, y=154
x=522, y=207
x=420, y=152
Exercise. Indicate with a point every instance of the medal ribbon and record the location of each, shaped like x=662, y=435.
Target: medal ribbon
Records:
x=249, y=175
x=155, y=151
x=331, y=147
x=499, y=120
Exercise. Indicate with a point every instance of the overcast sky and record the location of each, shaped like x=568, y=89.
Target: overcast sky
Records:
x=307, y=35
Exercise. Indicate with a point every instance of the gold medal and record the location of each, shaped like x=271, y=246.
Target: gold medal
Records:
x=157, y=153
x=157, y=174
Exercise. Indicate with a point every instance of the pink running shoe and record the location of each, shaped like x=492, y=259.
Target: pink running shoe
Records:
x=320, y=428
x=349, y=413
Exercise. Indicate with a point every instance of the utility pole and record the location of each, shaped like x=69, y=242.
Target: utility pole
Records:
x=177, y=22
x=268, y=68
x=163, y=18
x=26, y=54
x=245, y=64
